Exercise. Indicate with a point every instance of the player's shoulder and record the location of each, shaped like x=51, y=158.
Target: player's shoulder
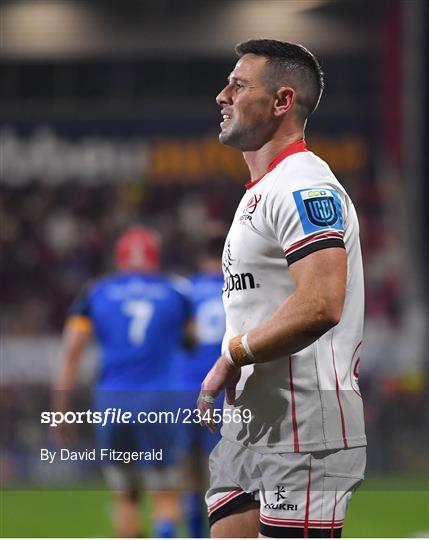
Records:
x=86, y=295
x=180, y=284
x=304, y=165
x=118, y=284
x=301, y=171
x=97, y=284
x=160, y=282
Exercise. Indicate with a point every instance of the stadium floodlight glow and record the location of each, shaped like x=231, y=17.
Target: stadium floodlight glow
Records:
x=47, y=28
x=291, y=20
x=270, y=17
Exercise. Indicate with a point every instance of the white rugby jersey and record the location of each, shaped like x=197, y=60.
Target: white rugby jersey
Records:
x=309, y=401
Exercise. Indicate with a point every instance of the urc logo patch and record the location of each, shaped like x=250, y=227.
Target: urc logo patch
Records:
x=321, y=211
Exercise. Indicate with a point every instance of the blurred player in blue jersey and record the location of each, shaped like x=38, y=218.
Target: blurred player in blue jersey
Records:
x=137, y=316
x=208, y=322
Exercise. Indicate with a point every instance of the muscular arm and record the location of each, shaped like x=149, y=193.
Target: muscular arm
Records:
x=312, y=309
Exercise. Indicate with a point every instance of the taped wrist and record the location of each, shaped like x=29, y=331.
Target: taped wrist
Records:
x=240, y=352
x=228, y=356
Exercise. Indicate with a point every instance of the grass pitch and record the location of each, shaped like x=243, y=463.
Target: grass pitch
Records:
x=387, y=507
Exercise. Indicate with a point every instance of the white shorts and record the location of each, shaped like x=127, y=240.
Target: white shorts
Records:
x=300, y=494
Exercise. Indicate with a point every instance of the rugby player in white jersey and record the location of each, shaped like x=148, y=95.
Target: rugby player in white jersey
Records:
x=293, y=297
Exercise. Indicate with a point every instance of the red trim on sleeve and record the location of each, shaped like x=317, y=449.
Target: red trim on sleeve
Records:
x=313, y=238
x=298, y=146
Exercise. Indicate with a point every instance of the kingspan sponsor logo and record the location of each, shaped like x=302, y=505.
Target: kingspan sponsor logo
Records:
x=238, y=282
x=235, y=282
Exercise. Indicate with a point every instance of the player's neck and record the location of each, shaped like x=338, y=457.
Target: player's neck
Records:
x=259, y=160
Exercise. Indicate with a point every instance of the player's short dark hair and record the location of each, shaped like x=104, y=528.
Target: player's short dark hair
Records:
x=292, y=64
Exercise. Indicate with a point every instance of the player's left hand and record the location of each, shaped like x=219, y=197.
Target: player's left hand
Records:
x=222, y=376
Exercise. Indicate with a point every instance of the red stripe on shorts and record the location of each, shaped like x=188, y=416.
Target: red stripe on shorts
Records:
x=220, y=502
x=314, y=524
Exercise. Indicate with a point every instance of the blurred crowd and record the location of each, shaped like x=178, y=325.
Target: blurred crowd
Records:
x=55, y=239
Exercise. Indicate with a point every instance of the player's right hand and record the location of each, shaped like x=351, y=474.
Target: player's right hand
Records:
x=222, y=376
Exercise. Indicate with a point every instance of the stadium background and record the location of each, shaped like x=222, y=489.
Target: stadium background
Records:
x=108, y=118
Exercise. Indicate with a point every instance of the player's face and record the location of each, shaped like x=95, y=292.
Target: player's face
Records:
x=247, y=107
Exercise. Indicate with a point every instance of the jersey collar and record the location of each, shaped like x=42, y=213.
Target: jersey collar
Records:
x=298, y=146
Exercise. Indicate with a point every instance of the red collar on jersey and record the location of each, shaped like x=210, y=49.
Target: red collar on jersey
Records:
x=298, y=146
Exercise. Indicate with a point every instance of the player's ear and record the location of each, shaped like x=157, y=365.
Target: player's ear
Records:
x=284, y=100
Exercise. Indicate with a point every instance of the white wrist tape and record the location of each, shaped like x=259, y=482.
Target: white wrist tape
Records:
x=245, y=343
x=228, y=356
